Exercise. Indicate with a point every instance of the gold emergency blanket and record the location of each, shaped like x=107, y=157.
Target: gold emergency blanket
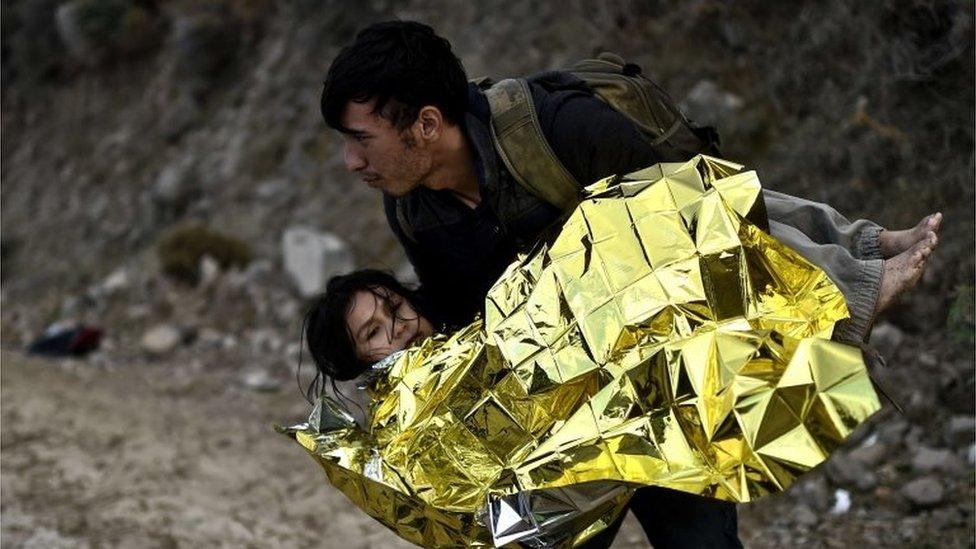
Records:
x=661, y=338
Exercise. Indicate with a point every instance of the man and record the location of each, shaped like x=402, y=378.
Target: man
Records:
x=416, y=130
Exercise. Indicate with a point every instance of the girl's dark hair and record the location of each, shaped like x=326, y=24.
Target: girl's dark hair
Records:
x=403, y=65
x=325, y=330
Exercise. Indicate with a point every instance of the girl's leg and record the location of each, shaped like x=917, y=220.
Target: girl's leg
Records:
x=858, y=279
x=825, y=225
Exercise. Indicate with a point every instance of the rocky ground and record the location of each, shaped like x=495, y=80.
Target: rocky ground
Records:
x=127, y=122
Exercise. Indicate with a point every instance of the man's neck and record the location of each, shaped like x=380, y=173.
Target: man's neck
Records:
x=454, y=168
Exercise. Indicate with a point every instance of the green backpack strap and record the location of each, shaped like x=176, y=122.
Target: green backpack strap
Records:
x=518, y=137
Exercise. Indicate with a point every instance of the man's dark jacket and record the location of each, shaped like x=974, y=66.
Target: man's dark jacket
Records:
x=458, y=253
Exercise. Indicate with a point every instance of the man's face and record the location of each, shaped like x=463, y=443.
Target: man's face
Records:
x=392, y=161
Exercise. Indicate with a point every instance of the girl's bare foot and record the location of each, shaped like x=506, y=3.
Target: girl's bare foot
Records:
x=893, y=243
x=902, y=272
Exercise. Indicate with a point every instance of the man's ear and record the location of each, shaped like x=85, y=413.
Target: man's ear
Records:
x=430, y=123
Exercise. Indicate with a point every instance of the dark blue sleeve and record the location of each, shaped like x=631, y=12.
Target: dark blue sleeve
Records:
x=591, y=139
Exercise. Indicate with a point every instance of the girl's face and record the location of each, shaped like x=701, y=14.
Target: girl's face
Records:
x=381, y=322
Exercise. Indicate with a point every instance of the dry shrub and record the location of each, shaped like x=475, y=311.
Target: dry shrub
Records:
x=181, y=250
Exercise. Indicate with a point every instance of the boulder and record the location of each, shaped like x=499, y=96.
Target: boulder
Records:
x=842, y=502
x=870, y=454
x=843, y=469
x=924, y=492
x=260, y=380
x=961, y=430
x=813, y=492
x=94, y=31
x=209, y=271
x=927, y=460
x=708, y=104
x=116, y=282
x=161, y=339
x=69, y=20
x=311, y=258
x=804, y=516
x=174, y=186
x=886, y=338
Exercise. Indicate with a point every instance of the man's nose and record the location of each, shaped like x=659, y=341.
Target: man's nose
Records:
x=353, y=159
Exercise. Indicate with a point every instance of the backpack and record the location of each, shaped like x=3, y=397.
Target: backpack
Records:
x=518, y=137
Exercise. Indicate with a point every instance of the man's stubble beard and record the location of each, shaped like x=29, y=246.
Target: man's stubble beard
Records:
x=414, y=166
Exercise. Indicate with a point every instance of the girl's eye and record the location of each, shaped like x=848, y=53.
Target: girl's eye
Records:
x=372, y=332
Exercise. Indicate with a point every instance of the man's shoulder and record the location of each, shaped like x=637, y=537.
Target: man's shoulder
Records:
x=552, y=90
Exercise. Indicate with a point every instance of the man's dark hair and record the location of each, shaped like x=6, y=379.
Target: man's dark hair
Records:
x=402, y=65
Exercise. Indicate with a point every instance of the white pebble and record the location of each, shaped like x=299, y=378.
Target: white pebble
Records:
x=842, y=502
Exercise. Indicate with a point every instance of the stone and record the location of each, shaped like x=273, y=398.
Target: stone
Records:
x=173, y=186
x=260, y=272
x=921, y=406
x=927, y=460
x=115, y=282
x=261, y=381
x=844, y=470
x=138, y=311
x=924, y=492
x=274, y=190
x=208, y=337
x=264, y=340
x=181, y=115
x=287, y=310
x=892, y=432
x=963, y=367
x=94, y=31
x=960, y=430
x=870, y=454
x=209, y=271
x=813, y=492
x=710, y=105
x=914, y=436
x=886, y=338
x=71, y=306
x=804, y=516
x=311, y=258
x=80, y=46
x=842, y=502
x=161, y=339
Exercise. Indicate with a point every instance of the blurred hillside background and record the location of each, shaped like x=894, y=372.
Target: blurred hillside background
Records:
x=167, y=177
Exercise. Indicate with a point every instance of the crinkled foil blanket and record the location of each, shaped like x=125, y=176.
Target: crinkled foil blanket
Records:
x=661, y=338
